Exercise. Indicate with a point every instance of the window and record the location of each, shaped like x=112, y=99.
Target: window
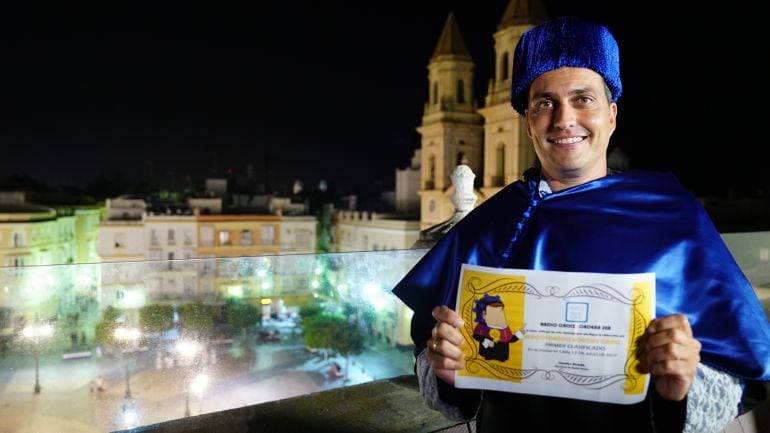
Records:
x=153, y=237
x=499, y=176
x=246, y=237
x=119, y=295
x=431, y=182
x=460, y=92
x=207, y=236
x=460, y=158
x=504, y=67
x=18, y=240
x=171, y=237
x=187, y=237
x=435, y=92
x=120, y=240
x=268, y=234
x=188, y=285
x=303, y=238
x=207, y=266
x=224, y=237
x=764, y=254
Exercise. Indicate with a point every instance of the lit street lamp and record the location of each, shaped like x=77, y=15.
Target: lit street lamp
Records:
x=34, y=332
x=198, y=386
x=127, y=336
x=188, y=349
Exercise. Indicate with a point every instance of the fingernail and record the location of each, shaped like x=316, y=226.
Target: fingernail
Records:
x=459, y=324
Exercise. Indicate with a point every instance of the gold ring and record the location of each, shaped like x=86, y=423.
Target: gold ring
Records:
x=434, y=346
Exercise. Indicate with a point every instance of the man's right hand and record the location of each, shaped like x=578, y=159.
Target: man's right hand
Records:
x=444, y=352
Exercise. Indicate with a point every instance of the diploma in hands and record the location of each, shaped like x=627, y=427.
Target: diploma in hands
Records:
x=561, y=334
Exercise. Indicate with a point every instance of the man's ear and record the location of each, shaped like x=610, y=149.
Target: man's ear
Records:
x=613, y=116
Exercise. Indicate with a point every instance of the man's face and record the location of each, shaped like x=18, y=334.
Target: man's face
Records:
x=495, y=317
x=570, y=121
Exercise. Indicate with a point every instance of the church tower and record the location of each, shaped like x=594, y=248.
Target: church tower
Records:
x=508, y=149
x=451, y=129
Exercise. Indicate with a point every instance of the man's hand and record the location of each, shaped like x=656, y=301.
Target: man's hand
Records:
x=670, y=353
x=444, y=352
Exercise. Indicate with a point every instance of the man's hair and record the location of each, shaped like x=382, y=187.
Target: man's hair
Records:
x=564, y=42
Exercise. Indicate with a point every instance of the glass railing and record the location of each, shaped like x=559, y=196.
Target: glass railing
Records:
x=112, y=346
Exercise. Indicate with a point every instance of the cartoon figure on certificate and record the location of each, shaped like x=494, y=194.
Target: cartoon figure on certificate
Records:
x=492, y=331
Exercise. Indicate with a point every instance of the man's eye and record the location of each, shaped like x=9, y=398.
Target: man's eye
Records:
x=585, y=100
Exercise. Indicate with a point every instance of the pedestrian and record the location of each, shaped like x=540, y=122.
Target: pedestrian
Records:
x=711, y=337
x=101, y=384
x=334, y=370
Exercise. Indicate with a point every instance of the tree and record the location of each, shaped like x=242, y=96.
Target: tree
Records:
x=5, y=317
x=241, y=314
x=324, y=215
x=197, y=316
x=105, y=330
x=310, y=310
x=331, y=331
x=319, y=330
x=347, y=340
x=156, y=317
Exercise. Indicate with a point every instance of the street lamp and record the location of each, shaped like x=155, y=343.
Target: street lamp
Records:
x=34, y=332
x=198, y=386
x=127, y=335
x=188, y=349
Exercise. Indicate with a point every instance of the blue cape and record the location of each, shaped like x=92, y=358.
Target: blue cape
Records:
x=630, y=222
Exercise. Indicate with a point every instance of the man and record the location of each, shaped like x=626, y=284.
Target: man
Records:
x=710, y=338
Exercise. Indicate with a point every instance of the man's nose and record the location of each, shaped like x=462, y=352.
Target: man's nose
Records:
x=564, y=117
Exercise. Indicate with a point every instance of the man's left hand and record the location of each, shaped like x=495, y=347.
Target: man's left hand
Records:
x=669, y=351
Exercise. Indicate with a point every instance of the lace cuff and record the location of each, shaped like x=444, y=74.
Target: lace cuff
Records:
x=712, y=401
x=429, y=390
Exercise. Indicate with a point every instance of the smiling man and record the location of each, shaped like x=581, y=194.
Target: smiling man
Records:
x=571, y=117
x=711, y=336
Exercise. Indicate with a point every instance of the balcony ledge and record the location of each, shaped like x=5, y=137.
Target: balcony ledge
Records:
x=389, y=405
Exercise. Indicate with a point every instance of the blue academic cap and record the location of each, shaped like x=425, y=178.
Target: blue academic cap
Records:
x=564, y=42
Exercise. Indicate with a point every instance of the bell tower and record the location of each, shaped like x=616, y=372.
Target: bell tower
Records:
x=451, y=131
x=508, y=149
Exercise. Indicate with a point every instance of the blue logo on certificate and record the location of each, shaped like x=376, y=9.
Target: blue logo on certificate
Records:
x=576, y=312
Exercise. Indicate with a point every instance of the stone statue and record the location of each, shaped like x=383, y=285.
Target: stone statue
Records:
x=463, y=200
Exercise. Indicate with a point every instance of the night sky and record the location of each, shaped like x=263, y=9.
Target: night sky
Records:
x=335, y=89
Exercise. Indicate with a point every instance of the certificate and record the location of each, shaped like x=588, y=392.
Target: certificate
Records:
x=561, y=334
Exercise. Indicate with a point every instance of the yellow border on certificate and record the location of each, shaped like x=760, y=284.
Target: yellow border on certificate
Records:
x=641, y=315
x=511, y=289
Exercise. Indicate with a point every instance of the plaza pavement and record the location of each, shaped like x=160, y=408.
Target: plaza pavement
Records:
x=240, y=377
